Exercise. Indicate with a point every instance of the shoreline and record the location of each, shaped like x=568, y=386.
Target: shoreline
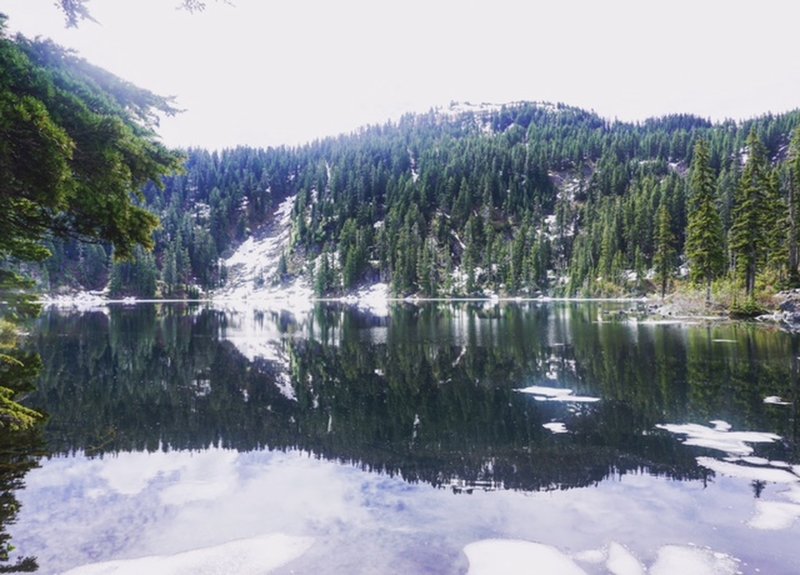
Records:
x=378, y=304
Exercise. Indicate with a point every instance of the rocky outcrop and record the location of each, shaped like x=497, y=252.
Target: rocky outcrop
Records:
x=787, y=310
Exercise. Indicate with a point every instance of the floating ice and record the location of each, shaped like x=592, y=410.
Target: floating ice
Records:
x=760, y=473
x=622, y=562
x=676, y=559
x=776, y=400
x=720, y=425
x=253, y=556
x=511, y=557
x=718, y=437
x=774, y=515
x=543, y=393
x=591, y=556
x=555, y=427
x=793, y=494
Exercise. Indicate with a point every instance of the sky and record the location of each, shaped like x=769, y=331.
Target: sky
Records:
x=280, y=72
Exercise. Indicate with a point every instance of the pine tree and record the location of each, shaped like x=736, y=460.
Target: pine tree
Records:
x=776, y=225
x=704, y=236
x=664, y=257
x=793, y=211
x=748, y=234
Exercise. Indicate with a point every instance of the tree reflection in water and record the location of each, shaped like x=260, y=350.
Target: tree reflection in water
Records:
x=428, y=394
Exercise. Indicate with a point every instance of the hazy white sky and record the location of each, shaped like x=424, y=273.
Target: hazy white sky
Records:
x=272, y=72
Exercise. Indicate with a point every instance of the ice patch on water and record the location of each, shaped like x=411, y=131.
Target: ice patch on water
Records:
x=749, y=472
x=595, y=556
x=511, y=557
x=622, y=562
x=720, y=425
x=253, y=556
x=556, y=427
x=759, y=461
x=792, y=494
x=684, y=560
x=543, y=393
x=719, y=437
x=774, y=515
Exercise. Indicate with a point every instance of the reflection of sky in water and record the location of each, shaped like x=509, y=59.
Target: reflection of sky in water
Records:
x=78, y=510
x=196, y=511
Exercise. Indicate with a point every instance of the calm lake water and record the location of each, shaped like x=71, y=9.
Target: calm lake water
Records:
x=526, y=438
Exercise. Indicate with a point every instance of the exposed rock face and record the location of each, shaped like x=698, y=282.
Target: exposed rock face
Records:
x=788, y=313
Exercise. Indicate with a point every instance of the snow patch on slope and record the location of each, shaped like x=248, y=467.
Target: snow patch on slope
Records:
x=253, y=269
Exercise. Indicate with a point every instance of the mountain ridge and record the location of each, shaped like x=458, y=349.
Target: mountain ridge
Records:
x=518, y=199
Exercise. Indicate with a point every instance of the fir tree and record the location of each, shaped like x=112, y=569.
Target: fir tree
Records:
x=664, y=257
x=793, y=211
x=748, y=237
x=704, y=236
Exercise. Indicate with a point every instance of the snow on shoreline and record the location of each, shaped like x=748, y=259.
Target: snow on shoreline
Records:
x=372, y=296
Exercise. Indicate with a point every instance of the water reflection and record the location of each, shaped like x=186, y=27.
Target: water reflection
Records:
x=180, y=428
x=429, y=393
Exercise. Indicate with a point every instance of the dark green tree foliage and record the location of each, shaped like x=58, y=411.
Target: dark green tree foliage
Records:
x=527, y=198
x=664, y=257
x=793, y=210
x=19, y=453
x=751, y=216
x=76, y=146
x=134, y=277
x=704, y=235
x=163, y=379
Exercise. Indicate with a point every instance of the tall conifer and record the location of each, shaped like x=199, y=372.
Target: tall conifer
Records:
x=664, y=258
x=704, y=239
x=748, y=232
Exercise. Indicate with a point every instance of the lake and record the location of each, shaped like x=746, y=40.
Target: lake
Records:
x=560, y=438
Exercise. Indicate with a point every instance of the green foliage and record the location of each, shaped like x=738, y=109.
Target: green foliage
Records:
x=748, y=309
x=793, y=212
x=523, y=200
x=751, y=216
x=75, y=149
x=704, y=234
x=664, y=257
x=135, y=277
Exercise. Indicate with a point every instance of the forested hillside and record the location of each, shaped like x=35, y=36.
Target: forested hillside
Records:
x=521, y=199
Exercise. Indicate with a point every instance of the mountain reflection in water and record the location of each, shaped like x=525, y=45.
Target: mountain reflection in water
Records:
x=430, y=393
x=186, y=436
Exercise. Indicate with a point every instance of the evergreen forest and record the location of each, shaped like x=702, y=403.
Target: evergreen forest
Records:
x=518, y=200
